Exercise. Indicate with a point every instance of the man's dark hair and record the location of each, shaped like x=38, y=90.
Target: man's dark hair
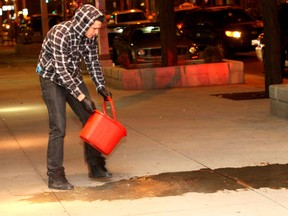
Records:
x=100, y=18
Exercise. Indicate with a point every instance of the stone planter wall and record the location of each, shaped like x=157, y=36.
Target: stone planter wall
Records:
x=278, y=94
x=223, y=73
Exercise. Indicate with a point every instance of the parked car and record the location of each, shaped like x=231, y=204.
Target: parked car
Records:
x=229, y=28
x=33, y=31
x=141, y=44
x=127, y=17
x=181, y=11
x=119, y=19
x=260, y=47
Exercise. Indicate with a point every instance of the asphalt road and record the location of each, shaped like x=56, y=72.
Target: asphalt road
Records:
x=251, y=64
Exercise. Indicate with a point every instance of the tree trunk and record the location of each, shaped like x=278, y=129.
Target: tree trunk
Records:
x=272, y=53
x=168, y=35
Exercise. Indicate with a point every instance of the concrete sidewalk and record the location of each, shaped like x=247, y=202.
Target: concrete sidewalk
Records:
x=172, y=130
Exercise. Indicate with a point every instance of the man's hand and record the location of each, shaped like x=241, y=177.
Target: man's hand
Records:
x=104, y=93
x=88, y=105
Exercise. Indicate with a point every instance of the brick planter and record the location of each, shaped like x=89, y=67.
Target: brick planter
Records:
x=197, y=74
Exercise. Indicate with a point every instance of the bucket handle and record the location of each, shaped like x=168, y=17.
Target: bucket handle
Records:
x=109, y=99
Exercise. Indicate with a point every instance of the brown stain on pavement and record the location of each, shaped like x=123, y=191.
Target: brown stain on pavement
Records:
x=177, y=183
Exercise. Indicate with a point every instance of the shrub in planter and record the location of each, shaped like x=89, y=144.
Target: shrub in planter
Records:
x=212, y=54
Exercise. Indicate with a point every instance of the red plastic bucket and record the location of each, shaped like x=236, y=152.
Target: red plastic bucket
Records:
x=103, y=132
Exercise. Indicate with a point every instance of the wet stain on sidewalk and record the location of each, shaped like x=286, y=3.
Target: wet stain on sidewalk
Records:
x=177, y=183
x=243, y=95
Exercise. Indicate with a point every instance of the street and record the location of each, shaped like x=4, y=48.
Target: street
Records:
x=251, y=64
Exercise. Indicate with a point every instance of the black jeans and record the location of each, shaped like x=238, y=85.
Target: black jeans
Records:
x=55, y=98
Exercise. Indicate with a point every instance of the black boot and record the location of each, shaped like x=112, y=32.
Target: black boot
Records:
x=96, y=171
x=96, y=163
x=57, y=180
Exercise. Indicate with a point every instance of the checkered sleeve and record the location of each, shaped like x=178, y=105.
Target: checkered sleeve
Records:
x=93, y=63
x=63, y=67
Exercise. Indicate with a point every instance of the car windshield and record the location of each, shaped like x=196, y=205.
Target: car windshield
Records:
x=180, y=15
x=130, y=17
x=146, y=32
x=234, y=16
x=220, y=17
x=149, y=32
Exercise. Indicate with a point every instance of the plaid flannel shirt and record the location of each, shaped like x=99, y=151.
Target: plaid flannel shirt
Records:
x=64, y=47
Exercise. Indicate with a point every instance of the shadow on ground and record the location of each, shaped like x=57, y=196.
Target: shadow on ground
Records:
x=178, y=183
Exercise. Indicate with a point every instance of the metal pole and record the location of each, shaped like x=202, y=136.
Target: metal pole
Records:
x=16, y=10
x=44, y=15
x=1, y=18
x=64, y=8
x=103, y=37
x=147, y=7
x=23, y=4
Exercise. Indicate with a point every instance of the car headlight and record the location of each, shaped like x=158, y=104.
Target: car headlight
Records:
x=255, y=42
x=193, y=50
x=234, y=34
x=141, y=52
x=118, y=30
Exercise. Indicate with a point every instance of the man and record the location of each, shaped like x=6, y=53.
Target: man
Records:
x=60, y=76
